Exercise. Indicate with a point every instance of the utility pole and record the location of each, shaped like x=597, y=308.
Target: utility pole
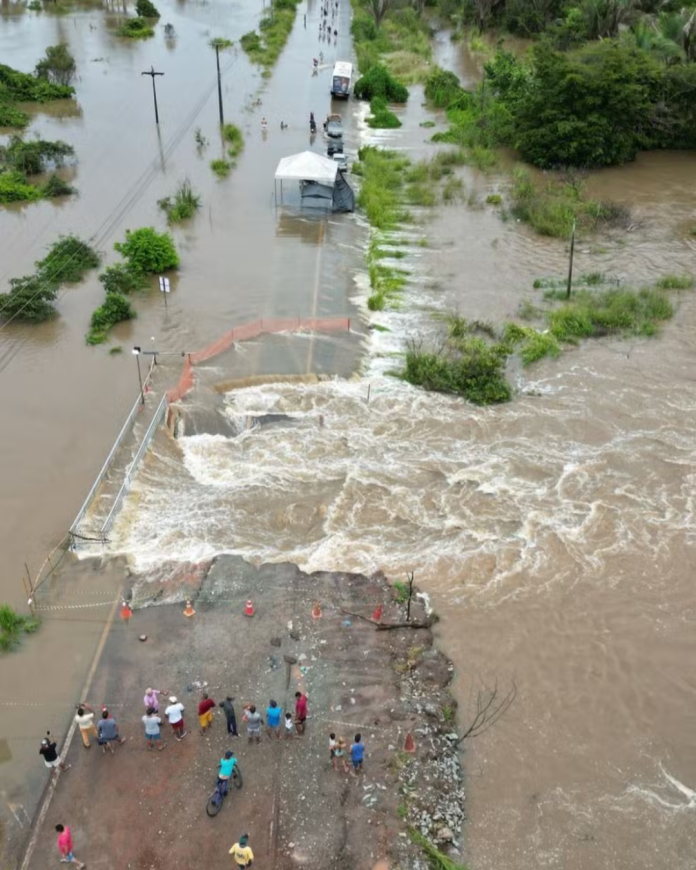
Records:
x=570, y=263
x=217, y=59
x=151, y=72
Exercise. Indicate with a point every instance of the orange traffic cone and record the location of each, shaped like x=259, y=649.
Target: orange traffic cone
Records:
x=316, y=611
x=410, y=744
x=377, y=613
x=126, y=612
x=249, y=609
x=189, y=611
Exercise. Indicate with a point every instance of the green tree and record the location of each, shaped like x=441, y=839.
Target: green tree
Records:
x=146, y=9
x=30, y=299
x=58, y=66
x=148, y=251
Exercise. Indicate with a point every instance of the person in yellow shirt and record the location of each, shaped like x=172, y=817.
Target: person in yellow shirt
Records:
x=242, y=854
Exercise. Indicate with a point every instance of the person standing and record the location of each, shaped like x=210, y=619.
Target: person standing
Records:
x=254, y=721
x=300, y=712
x=152, y=724
x=65, y=847
x=175, y=717
x=289, y=726
x=205, y=712
x=273, y=714
x=357, y=752
x=229, y=715
x=241, y=853
x=340, y=755
x=85, y=721
x=332, y=749
x=49, y=751
x=108, y=732
x=151, y=698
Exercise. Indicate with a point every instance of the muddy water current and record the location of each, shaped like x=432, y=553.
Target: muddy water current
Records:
x=555, y=533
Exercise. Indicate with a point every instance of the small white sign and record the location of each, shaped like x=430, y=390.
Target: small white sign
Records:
x=164, y=285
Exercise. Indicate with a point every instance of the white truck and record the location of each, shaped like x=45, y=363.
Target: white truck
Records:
x=340, y=83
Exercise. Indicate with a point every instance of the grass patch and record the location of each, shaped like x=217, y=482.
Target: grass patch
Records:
x=438, y=860
x=383, y=177
x=592, y=314
x=136, y=28
x=427, y=124
x=377, y=327
x=234, y=138
x=552, y=207
x=532, y=345
x=675, y=282
x=265, y=48
x=401, y=43
x=494, y=199
x=13, y=626
x=453, y=191
x=183, y=205
x=221, y=168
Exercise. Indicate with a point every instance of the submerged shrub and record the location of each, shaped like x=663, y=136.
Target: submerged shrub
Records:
x=146, y=9
x=378, y=82
x=58, y=66
x=122, y=278
x=115, y=309
x=382, y=117
x=67, y=260
x=221, y=167
x=235, y=139
x=30, y=299
x=148, y=251
x=183, y=205
x=136, y=28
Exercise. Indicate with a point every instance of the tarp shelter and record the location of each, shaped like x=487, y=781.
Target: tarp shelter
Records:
x=318, y=177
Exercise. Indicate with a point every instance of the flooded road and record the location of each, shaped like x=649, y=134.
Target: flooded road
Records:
x=556, y=533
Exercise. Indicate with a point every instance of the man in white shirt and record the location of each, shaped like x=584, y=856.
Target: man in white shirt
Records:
x=175, y=717
x=85, y=721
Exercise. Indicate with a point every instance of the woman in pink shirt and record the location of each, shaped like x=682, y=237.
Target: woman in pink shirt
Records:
x=65, y=847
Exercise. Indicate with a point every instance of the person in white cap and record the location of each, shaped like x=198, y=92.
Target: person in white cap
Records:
x=175, y=716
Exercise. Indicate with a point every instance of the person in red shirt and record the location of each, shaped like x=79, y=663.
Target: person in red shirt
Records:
x=300, y=712
x=65, y=847
x=205, y=713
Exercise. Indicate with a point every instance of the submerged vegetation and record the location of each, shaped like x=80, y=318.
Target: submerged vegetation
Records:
x=221, y=168
x=183, y=205
x=397, y=38
x=21, y=158
x=114, y=309
x=19, y=87
x=265, y=47
x=12, y=626
x=234, y=138
x=146, y=250
x=31, y=297
x=136, y=28
x=58, y=65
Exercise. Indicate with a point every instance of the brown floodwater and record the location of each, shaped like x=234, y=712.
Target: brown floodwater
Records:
x=555, y=534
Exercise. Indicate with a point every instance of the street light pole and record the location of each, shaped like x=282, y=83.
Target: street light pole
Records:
x=570, y=262
x=151, y=72
x=136, y=354
x=217, y=59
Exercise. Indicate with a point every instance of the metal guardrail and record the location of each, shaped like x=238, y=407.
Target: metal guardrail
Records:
x=127, y=480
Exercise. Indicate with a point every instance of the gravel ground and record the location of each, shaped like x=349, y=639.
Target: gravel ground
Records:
x=146, y=810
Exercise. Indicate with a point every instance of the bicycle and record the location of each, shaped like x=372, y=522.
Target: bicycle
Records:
x=216, y=799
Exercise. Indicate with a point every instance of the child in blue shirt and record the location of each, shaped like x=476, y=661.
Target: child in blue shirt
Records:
x=357, y=751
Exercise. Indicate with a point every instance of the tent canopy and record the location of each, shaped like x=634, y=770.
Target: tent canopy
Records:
x=307, y=166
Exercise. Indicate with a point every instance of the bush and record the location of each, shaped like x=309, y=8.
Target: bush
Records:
x=233, y=135
x=470, y=367
x=55, y=186
x=115, y=309
x=67, y=260
x=121, y=278
x=378, y=82
x=15, y=188
x=148, y=251
x=11, y=117
x=135, y=28
x=58, y=66
x=12, y=626
x=221, y=167
x=183, y=205
x=30, y=299
x=442, y=88
x=146, y=9
x=35, y=155
x=382, y=117
x=24, y=88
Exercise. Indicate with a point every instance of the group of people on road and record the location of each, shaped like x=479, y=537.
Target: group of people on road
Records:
x=276, y=723
x=337, y=754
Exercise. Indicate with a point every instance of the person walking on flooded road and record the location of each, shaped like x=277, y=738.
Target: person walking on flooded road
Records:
x=229, y=715
x=65, y=847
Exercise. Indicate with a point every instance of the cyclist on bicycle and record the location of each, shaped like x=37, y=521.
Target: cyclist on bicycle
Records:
x=226, y=769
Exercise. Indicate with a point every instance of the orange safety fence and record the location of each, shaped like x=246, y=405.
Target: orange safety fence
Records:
x=252, y=330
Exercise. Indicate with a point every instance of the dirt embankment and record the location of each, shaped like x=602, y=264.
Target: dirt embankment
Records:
x=148, y=808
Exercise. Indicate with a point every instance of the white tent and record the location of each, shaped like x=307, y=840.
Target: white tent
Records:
x=307, y=166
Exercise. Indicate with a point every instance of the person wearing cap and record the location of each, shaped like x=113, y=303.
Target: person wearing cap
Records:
x=175, y=717
x=151, y=699
x=49, y=751
x=241, y=853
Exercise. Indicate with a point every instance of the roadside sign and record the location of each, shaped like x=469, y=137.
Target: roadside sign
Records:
x=164, y=288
